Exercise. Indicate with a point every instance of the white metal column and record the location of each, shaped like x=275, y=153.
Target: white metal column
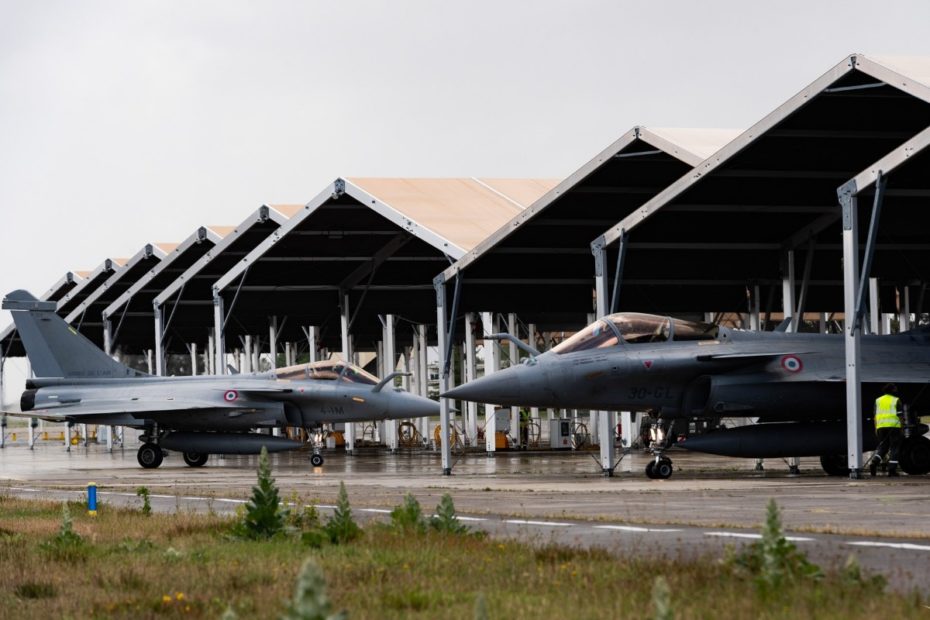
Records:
x=471, y=408
x=514, y=354
x=160, y=365
x=193, y=352
x=904, y=319
x=219, y=338
x=607, y=420
x=492, y=363
x=389, y=366
x=211, y=355
x=788, y=310
x=347, y=357
x=423, y=373
x=851, y=335
x=273, y=342
x=247, y=357
x=875, y=313
x=442, y=336
x=531, y=340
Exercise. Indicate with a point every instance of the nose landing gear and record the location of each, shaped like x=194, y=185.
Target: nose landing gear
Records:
x=660, y=468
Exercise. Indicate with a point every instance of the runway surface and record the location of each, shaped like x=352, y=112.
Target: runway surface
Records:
x=709, y=503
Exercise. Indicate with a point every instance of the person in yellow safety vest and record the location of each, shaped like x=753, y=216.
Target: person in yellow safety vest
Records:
x=888, y=427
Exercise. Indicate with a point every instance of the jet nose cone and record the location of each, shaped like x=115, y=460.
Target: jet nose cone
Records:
x=405, y=405
x=499, y=388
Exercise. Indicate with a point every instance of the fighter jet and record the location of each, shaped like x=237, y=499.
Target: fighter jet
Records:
x=76, y=382
x=794, y=383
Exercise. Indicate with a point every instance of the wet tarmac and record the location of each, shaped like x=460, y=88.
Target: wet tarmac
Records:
x=704, y=491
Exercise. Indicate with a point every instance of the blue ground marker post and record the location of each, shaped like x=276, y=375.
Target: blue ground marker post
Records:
x=92, y=499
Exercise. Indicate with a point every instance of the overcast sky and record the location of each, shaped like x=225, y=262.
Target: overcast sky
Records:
x=123, y=123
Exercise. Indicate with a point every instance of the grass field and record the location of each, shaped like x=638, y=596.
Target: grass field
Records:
x=129, y=565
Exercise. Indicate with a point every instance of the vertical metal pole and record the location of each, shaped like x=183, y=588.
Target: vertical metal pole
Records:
x=193, y=354
x=347, y=357
x=210, y=355
x=531, y=340
x=852, y=336
x=606, y=421
x=423, y=374
x=445, y=448
x=247, y=358
x=390, y=365
x=492, y=363
x=107, y=336
x=273, y=342
x=313, y=343
x=219, y=338
x=287, y=354
x=150, y=361
x=904, y=320
x=471, y=409
x=514, y=354
x=787, y=292
x=875, y=316
x=159, y=341
x=754, y=317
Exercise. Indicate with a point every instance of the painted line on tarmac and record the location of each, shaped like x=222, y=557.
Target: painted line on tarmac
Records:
x=907, y=546
x=634, y=528
x=461, y=518
x=383, y=511
x=549, y=523
x=755, y=536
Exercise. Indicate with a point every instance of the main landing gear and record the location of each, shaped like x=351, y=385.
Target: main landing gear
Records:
x=660, y=468
x=196, y=459
x=150, y=455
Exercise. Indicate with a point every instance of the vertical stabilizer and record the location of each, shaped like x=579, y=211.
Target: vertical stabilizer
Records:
x=54, y=348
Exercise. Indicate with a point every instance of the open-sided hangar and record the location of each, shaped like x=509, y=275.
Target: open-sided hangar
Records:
x=731, y=225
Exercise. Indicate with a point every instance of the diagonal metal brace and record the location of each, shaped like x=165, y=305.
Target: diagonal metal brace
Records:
x=880, y=181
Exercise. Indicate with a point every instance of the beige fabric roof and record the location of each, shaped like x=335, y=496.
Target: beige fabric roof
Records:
x=167, y=248
x=701, y=142
x=463, y=211
x=287, y=210
x=222, y=231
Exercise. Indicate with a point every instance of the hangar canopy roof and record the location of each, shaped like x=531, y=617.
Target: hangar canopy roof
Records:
x=539, y=263
x=380, y=241
x=729, y=223
x=132, y=311
x=187, y=300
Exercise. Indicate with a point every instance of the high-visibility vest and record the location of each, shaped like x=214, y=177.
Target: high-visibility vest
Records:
x=886, y=412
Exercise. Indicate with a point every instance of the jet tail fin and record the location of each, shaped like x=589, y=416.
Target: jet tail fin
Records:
x=54, y=348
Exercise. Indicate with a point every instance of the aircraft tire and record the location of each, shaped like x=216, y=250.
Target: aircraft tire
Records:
x=149, y=456
x=651, y=470
x=834, y=464
x=915, y=456
x=316, y=460
x=663, y=469
x=196, y=459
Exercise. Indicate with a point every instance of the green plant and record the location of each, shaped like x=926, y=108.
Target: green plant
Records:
x=773, y=561
x=662, y=599
x=264, y=516
x=35, y=590
x=66, y=544
x=310, y=601
x=143, y=492
x=408, y=517
x=445, y=519
x=341, y=528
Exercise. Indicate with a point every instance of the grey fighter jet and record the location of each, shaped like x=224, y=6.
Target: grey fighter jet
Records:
x=794, y=383
x=78, y=383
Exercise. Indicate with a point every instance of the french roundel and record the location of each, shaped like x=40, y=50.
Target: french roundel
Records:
x=230, y=395
x=792, y=363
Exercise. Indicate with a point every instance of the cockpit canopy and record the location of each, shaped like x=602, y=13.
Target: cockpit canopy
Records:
x=635, y=328
x=325, y=370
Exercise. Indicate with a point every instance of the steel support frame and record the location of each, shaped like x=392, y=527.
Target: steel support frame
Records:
x=444, y=342
x=851, y=334
x=606, y=419
x=347, y=358
x=388, y=366
x=471, y=408
x=492, y=363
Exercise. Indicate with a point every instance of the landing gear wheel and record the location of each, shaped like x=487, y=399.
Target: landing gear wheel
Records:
x=196, y=459
x=651, y=470
x=915, y=456
x=149, y=456
x=834, y=464
x=316, y=460
x=663, y=469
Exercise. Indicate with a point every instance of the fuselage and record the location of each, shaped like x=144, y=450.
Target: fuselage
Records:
x=771, y=375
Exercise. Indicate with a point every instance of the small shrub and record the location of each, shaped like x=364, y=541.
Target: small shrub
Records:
x=143, y=492
x=774, y=562
x=264, y=517
x=341, y=528
x=315, y=538
x=310, y=601
x=35, y=590
x=662, y=599
x=67, y=544
x=445, y=519
x=408, y=517
x=851, y=575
